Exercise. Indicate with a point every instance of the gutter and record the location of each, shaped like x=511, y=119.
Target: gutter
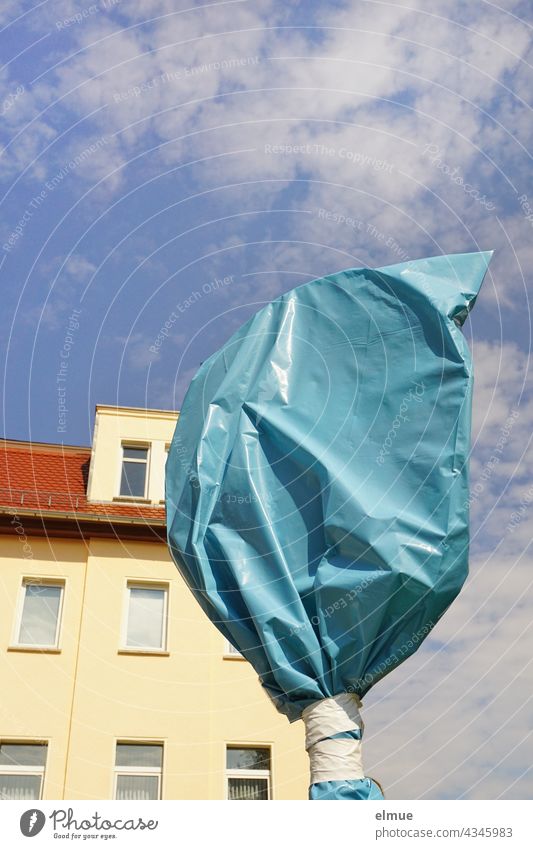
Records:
x=84, y=517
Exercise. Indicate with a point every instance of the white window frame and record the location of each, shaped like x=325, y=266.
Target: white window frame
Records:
x=132, y=443
x=144, y=585
x=231, y=653
x=26, y=770
x=41, y=582
x=166, y=453
x=248, y=773
x=140, y=770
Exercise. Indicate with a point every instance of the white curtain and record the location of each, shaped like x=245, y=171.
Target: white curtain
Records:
x=247, y=788
x=20, y=786
x=137, y=787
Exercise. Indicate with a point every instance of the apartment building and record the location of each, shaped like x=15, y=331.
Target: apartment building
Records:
x=114, y=685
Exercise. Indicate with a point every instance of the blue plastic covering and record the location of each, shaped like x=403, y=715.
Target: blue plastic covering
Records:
x=365, y=789
x=317, y=486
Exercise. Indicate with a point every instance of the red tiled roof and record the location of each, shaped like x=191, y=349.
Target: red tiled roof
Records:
x=53, y=478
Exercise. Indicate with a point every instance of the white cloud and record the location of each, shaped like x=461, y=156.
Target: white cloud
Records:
x=502, y=458
x=62, y=279
x=454, y=721
x=136, y=350
x=79, y=267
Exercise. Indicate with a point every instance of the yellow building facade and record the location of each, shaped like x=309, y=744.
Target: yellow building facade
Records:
x=114, y=683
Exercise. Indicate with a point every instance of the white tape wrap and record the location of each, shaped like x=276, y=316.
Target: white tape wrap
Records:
x=334, y=760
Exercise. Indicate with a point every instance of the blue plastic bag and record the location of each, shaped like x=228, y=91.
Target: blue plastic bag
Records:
x=317, y=486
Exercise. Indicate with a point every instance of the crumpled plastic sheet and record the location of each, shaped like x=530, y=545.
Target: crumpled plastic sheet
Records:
x=317, y=482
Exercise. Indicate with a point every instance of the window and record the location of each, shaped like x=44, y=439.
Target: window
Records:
x=138, y=768
x=146, y=617
x=134, y=468
x=248, y=772
x=165, y=458
x=231, y=651
x=22, y=770
x=39, y=614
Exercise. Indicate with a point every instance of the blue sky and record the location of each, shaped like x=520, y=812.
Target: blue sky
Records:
x=167, y=157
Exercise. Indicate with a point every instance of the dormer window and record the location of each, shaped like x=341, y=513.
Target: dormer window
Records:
x=133, y=479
